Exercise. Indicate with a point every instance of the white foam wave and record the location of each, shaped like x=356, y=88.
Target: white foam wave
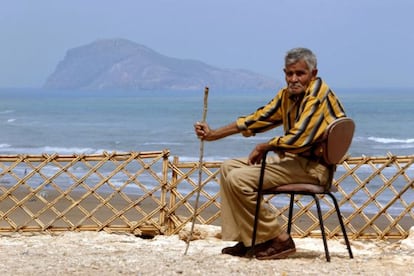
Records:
x=63, y=150
x=162, y=143
x=391, y=140
x=205, y=158
x=6, y=148
x=11, y=120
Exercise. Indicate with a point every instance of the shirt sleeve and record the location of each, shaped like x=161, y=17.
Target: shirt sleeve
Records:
x=263, y=119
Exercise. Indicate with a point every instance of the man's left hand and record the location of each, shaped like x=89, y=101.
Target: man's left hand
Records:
x=256, y=156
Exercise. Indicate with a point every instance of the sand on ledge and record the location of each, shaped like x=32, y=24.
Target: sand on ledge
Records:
x=101, y=253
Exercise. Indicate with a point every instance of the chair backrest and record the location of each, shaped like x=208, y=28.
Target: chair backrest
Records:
x=337, y=139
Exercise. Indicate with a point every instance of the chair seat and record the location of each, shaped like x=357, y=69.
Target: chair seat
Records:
x=301, y=188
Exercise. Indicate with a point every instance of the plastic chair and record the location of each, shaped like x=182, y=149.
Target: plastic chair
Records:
x=331, y=150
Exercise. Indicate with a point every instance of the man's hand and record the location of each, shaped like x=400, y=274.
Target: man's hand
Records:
x=203, y=131
x=257, y=153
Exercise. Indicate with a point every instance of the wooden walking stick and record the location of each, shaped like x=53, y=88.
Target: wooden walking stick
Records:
x=200, y=172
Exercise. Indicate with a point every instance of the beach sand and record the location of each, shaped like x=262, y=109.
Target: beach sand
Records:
x=101, y=253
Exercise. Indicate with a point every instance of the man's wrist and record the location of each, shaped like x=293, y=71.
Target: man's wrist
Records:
x=265, y=147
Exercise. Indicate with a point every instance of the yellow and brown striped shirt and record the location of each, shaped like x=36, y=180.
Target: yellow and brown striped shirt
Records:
x=304, y=117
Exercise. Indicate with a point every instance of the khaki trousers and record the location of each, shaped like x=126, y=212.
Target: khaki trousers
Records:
x=238, y=191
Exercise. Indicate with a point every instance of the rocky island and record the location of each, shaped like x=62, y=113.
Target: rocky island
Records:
x=123, y=64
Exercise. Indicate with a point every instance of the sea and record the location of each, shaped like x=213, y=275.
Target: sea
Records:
x=35, y=121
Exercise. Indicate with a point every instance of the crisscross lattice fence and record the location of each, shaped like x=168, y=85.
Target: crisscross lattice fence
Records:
x=123, y=192
x=148, y=193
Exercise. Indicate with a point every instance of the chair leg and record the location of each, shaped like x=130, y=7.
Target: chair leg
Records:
x=341, y=222
x=255, y=224
x=325, y=244
x=258, y=202
x=289, y=226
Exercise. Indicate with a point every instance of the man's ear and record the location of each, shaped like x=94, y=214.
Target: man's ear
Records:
x=314, y=73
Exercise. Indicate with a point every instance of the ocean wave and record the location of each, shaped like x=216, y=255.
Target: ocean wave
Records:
x=162, y=143
x=6, y=148
x=368, y=169
x=205, y=158
x=71, y=150
x=391, y=140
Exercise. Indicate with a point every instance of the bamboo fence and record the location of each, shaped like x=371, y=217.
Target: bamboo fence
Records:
x=151, y=193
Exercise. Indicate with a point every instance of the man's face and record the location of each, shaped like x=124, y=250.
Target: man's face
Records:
x=298, y=77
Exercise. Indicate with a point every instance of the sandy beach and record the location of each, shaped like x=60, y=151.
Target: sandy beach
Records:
x=101, y=253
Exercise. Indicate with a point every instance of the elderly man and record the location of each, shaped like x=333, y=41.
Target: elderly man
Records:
x=305, y=107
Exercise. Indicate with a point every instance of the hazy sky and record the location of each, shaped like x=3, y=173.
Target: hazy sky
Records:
x=359, y=43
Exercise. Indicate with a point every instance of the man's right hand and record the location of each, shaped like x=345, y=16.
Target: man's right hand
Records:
x=202, y=131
